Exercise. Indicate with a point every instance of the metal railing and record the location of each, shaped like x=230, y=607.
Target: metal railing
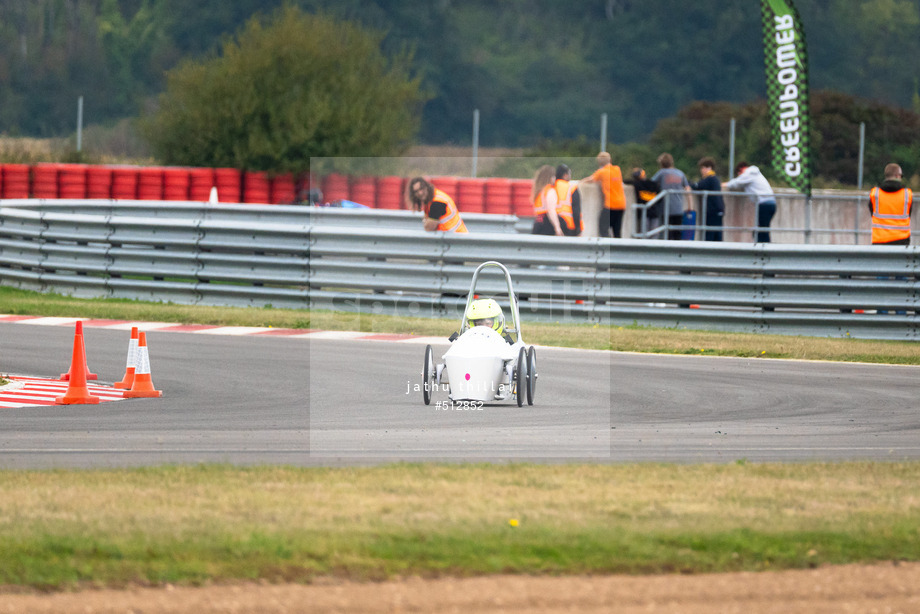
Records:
x=278, y=214
x=265, y=259
x=826, y=218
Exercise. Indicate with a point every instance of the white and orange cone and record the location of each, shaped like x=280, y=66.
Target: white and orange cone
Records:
x=86, y=372
x=128, y=380
x=77, y=392
x=143, y=383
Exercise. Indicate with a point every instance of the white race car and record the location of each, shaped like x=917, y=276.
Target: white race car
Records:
x=487, y=360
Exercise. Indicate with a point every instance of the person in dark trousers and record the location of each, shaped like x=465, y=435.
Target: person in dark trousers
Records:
x=674, y=181
x=567, y=202
x=545, y=222
x=890, y=204
x=646, y=190
x=713, y=204
x=749, y=179
x=610, y=179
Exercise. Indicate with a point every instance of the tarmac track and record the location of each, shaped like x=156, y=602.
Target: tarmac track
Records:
x=301, y=401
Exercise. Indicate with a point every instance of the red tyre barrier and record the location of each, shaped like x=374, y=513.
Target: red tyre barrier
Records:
x=335, y=187
x=150, y=183
x=15, y=181
x=471, y=194
x=72, y=181
x=283, y=190
x=229, y=183
x=124, y=182
x=520, y=197
x=448, y=185
x=364, y=191
x=201, y=180
x=176, y=183
x=390, y=193
x=498, y=197
x=99, y=182
x=256, y=187
x=45, y=181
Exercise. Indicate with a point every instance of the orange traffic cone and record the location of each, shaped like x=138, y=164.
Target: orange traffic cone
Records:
x=88, y=374
x=128, y=379
x=77, y=392
x=143, y=384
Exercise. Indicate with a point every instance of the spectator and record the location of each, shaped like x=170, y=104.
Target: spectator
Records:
x=646, y=190
x=749, y=179
x=311, y=196
x=673, y=180
x=890, y=204
x=713, y=204
x=546, y=222
x=566, y=201
x=440, y=211
x=610, y=178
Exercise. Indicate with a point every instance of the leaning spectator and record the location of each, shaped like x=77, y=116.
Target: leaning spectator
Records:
x=749, y=179
x=610, y=178
x=646, y=191
x=674, y=181
x=440, y=211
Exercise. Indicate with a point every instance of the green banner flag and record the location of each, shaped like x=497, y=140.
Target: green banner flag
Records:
x=786, y=63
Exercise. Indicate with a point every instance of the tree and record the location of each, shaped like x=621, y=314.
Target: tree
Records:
x=287, y=88
x=702, y=129
x=49, y=56
x=137, y=50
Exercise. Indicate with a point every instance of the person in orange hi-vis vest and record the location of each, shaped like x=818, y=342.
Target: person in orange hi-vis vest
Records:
x=567, y=202
x=545, y=222
x=890, y=204
x=610, y=178
x=440, y=211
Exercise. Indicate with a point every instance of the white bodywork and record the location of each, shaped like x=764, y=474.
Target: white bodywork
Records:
x=479, y=365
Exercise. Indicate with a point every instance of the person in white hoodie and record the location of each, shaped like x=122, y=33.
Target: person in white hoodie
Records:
x=749, y=179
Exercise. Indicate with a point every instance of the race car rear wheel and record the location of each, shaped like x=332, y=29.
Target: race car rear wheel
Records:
x=531, y=374
x=519, y=377
x=428, y=374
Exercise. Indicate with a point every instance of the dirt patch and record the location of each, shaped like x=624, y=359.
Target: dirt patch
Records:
x=846, y=588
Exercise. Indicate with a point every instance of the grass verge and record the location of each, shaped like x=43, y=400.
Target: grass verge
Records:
x=191, y=524
x=620, y=338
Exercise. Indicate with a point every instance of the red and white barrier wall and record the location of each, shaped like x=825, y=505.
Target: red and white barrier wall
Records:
x=78, y=181
x=489, y=195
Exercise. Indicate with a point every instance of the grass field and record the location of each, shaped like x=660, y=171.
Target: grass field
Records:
x=196, y=524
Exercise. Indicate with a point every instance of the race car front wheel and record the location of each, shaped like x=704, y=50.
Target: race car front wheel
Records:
x=428, y=374
x=531, y=374
x=519, y=383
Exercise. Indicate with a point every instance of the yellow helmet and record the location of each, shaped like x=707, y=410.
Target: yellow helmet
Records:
x=486, y=312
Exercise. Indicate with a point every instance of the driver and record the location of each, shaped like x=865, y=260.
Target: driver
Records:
x=486, y=312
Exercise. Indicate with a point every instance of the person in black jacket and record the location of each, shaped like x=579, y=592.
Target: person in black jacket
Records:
x=646, y=190
x=713, y=204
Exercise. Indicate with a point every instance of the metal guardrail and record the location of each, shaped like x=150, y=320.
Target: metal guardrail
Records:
x=221, y=259
x=278, y=214
x=825, y=218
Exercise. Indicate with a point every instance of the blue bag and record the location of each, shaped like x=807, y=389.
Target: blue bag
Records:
x=689, y=220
